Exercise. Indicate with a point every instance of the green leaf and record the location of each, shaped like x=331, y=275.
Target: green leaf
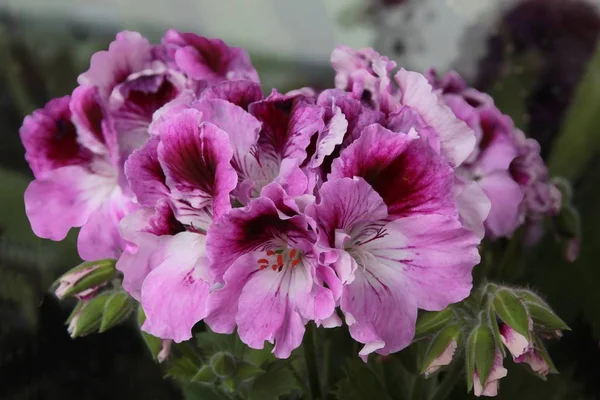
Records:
x=430, y=322
x=360, y=383
x=439, y=344
x=153, y=343
x=512, y=311
x=277, y=380
x=493, y=323
x=578, y=141
x=116, y=309
x=183, y=368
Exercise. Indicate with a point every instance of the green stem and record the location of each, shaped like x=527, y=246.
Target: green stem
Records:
x=326, y=366
x=448, y=382
x=311, y=363
x=508, y=266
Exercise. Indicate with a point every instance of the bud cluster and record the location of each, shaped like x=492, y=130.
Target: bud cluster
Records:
x=481, y=328
x=101, y=305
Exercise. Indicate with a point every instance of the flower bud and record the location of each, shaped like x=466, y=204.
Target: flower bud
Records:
x=481, y=350
x=246, y=370
x=87, y=316
x=516, y=343
x=541, y=313
x=223, y=364
x=489, y=386
x=441, y=350
x=116, y=309
x=205, y=375
x=512, y=311
x=85, y=279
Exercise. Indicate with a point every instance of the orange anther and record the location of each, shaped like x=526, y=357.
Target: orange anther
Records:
x=263, y=261
x=295, y=262
x=274, y=267
x=280, y=260
x=270, y=252
x=292, y=253
x=262, y=267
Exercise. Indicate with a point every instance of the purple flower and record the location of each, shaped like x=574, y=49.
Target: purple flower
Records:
x=505, y=163
x=204, y=59
x=75, y=186
x=389, y=268
x=265, y=256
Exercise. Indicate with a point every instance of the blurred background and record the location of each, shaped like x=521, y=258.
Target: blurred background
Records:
x=539, y=59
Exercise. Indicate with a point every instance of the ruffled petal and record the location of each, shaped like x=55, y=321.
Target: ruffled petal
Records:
x=409, y=176
x=208, y=59
x=100, y=238
x=433, y=254
x=505, y=197
x=50, y=138
x=66, y=198
x=457, y=140
x=174, y=293
x=129, y=53
x=242, y=93
x=195, y=158
x=145, y=175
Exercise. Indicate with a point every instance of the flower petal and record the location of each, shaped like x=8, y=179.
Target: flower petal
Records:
x=174, y=293
x=434, y=254
x=457, y=140
x=100, y=238
x=505, y=196
x=66, y=198
x=50, y=138
x=409, y=176
x=145, y=175
x=196, y=160
x=380, y=311
x=129, y=53
x=242, y=93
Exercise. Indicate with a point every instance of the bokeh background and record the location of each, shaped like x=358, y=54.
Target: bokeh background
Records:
x=539, y=59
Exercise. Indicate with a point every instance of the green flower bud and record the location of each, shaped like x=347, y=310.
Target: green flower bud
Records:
x=85, y=279
x=88, y=316
x=480, y=353
x=205, y=375
x=512, y=311
x=116, y=309
x=223, y=364
x=246, y=370
x=441, y=350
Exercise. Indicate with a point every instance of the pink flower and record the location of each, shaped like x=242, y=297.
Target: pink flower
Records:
x=505, y=163
x=204, y=59
x=75, y=186
x=490, y=387
x=273, y=281
x=443, y=359
x=390, y=265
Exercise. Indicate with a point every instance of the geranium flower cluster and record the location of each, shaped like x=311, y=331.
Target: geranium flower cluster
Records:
x=358, y=205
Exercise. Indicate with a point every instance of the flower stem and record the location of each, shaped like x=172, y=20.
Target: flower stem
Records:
x=311, y=363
